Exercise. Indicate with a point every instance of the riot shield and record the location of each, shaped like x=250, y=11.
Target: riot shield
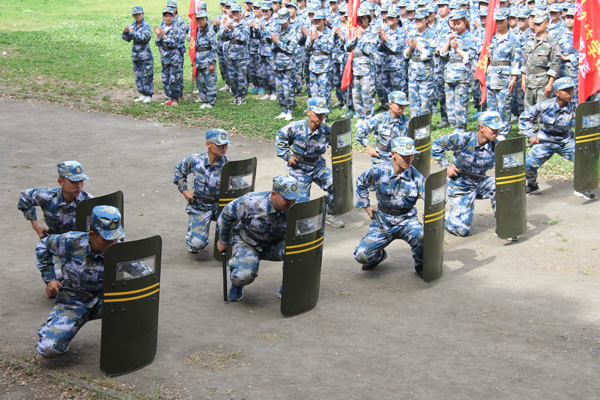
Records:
x=511, y=207
x=237, y=179
x=83, y=212
x=587, y=146
x=341, y=166
x=130, y=309
x=419, y=129
x=303, y=253
x=433, y=225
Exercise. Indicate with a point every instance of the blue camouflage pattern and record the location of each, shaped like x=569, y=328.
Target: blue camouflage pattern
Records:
x=206, y=55
x=171, y=60
x=141, y=55
x=420, y=74
x=385, y=128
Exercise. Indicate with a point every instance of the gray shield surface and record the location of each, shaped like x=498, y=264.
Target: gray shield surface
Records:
x=303, y=254
x=83, y=212
x=511, y=206
x=433, y=225
x=237, y=179
x=341, y=166
x=130, y=309
x=587, y=146
x=419, y=129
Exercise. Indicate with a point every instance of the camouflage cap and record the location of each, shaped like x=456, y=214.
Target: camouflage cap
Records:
x=363, y=12
x=168, y=10
x=484, y=2
x=454, y=4
x=217, y=136
x=171, y=3
x=107, y=221
x=284, y=15
x=398, y=97
x=312, y=8
x=411, y=7
x=464, y=2
x=236, y=7
x=483, y=12
x=421, y=13
x=501, y=14
x=318, y=105
x=443, y=3
x=402, y=3
x=257, y=4
x=292, y=4
x=393, y=12
x=287, y=186
x=320, y=14
x=71, y=170
x=524, y=13
x=458, y=14
x=423, y=2
x=343, y=8
x=563, y=83
x=491, y=119
x=267, y=5
x=202, y=14
x=276, y=1
x=137, y=10
x=404, y=146
x=540, y=16
x=514, y=12
x=571, y=11
x=431, y=8
x=223, y=2
x=556, y=7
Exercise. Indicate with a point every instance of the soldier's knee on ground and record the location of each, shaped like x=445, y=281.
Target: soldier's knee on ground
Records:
x=242, y=277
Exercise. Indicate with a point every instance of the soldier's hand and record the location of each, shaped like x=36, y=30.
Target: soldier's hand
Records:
x=383, y=35
x=211, y=68
x=548, y=90
x=373, y=152
x=39, y=229
x=189, y=196
x=523, y=87
x=534, y=140
x=314, y=35
x=304, y=31
x=451, y=37
x=511, y=86
x=452, y=171
x=454, y=44
x=52, y=288
x=370, y=212
x=274, y=38
x=293, y=161
x=222, y=247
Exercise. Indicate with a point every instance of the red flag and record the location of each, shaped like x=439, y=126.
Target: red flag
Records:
x=194, y=8
x=586, y=39
x=352, y=24
x=484, y=56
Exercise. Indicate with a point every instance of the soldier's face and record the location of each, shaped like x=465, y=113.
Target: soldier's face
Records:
x=257, y=12
x=443, y=10
x=392, y=21
x=541, y=27
x=71, y=189
x=201, y=22
x=168, y=18
x=502, y=24
x=421, y=23
x=488, y=133
x=565, y=95
x=569, y=21
x=397, y=109
x=292, y=12
x=404, y=162
x=138, y=17
x=217, y=150
x=98, y=243
x=281, y=203
x=523, y=23
x=555, y=16
x=315, y=118
x=236, y=15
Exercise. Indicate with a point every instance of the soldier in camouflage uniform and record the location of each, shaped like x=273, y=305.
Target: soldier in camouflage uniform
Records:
x=441, y=32
x=268, y=25
x=557, y=26
x=398, y=185
x=522, y=32
x=320, y=46
x=168, y=37
x=253, y=46
x=340, y=57
x=205, y=171
x=302, y=145
x=420, y=68
x=206, y=61
x=141, y=54
x=284, y=47
x=541, y=62
x=217, y=25
x=386, y=126
x=260, y=233
x=83, y=269
x=503, y=70
x=393, y=44
x=569, y=66
x=553, y=134
x=237, y=31
x=473, y=155
x=182, y=25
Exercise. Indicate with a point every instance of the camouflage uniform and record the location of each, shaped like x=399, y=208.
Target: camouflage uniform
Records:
x=237, y=58
x=321, y=64
x=340, y=57
x=363, y=73
x=397, y=193
x=141, y=55
x=569, y=68
x=420, y=74
x=296, y=139
x=385, y=129
x=554, y=124
x=469, y=156
x=221, y=45
x=253, y=53
x=185, y=28
x=266, y=54
x=393, y=76
x=439, y=65
x=518, y=98
x=170, y=57
x=283, y=58
x=206, y=55
x=541, y=60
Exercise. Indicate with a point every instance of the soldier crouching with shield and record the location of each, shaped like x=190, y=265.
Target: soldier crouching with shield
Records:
x=555, y=117
x=398, y=185
x=260, y=233
x=205, y=169
x=83, y=271
x=473, y=155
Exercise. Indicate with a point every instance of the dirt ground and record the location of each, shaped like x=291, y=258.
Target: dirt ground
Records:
x=506, y=321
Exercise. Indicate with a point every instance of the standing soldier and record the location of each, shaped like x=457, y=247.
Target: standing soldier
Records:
x=206, y=61
x=522, y=32
x=386, y=127
x=340, y=56
x=441, y=32
x=181, y=24
x=217, y=23
x=320, y=46
x=557, y=26
x=302, y=145
x=237, y=31
x=141, y=54
x=284, y=48
x=260, y=233
x=393, y=44
x=554, y=118
x=503, y=70
x=253, y=47
x=541, y=62
x=398, y=185
x=268, y=26
x=202, y=199
x=168, y=37
x=569, y=66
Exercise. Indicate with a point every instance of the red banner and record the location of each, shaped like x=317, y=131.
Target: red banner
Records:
x=484, y=56
x=352, y=24
x=194, y=8
x=586, y=39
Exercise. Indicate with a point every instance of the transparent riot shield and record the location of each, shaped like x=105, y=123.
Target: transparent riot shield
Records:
x=83, y=212
x=303, y=254
x=341, y=166
x=237, y=179
x=433, y=225
x=587, y=146
x=511, y=206
x=419, y=129
x=130, y=309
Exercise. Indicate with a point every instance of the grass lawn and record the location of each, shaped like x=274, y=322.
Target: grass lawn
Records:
x=71, y=51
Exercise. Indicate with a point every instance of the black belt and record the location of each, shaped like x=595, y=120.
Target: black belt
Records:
x=280, y=50
x=391, y=53
x=383, y=147
x=395, y=212
x=495, y=63
x=240, y=42
x=203, y=48
x=263, y=41
x=304, y=159
x=418, y=58
x=319, y=53
x=455, y=60
x=206, y=200
x=223, y=39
